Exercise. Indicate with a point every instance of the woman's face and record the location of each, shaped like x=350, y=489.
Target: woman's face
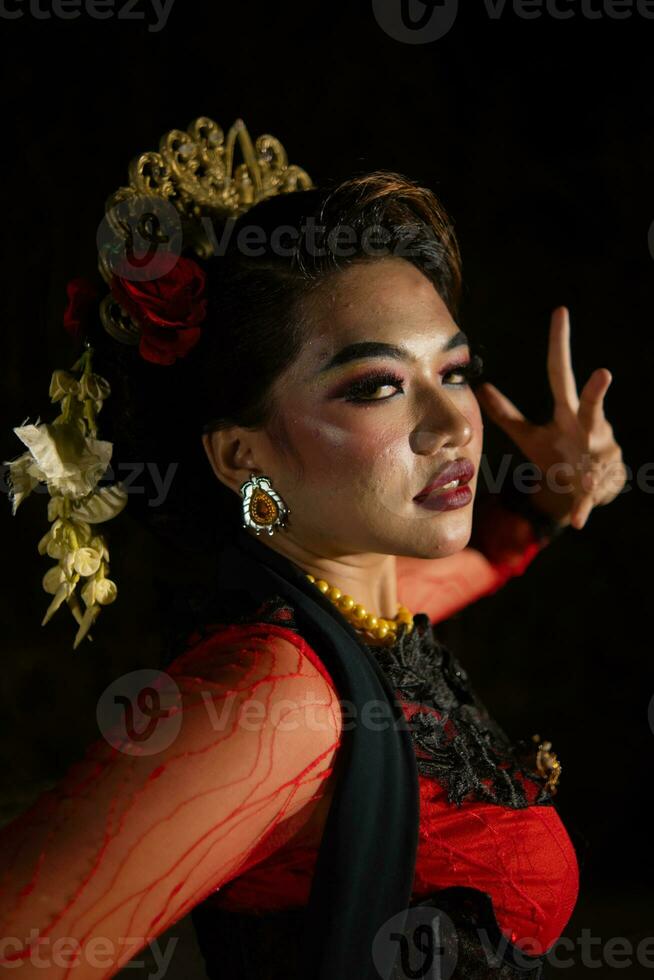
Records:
x=356, y=466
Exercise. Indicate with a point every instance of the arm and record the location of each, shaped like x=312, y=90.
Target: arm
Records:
x=511, y=528
x=127, y=844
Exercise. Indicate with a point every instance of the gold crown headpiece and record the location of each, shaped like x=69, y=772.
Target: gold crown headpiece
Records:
x=193, y=177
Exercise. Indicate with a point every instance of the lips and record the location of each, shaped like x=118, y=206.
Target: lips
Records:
x=461, y=470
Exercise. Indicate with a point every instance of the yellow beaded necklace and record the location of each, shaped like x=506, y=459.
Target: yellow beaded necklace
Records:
x=375, y=627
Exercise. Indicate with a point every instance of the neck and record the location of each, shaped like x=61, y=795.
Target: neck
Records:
x=371, y=579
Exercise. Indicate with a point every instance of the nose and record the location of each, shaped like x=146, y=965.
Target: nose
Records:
x=443, y=425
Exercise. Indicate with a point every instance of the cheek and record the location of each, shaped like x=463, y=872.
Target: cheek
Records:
x=334, y=453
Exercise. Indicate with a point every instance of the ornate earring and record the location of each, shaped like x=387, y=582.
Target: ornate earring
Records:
x=263, y=508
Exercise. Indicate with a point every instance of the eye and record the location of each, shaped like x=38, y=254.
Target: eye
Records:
x=469, y=372
x=361, y=389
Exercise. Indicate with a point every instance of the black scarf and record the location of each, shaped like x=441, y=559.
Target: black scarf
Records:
x=366, y=862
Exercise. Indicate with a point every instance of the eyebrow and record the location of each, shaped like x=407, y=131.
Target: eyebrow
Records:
x=374, y=348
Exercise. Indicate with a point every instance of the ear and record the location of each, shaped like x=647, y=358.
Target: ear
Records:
x=231, y=454
x=208, y=445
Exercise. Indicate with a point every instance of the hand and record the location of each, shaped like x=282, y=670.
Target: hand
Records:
x=578, y=442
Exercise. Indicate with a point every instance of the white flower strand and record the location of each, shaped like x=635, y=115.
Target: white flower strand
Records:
x=67, y=456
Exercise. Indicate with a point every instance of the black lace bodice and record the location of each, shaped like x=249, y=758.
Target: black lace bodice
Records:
x=460, y=745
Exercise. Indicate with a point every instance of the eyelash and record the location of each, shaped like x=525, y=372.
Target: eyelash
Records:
x=371, y=382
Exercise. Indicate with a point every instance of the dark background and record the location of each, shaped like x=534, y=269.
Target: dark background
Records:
x=539, y=137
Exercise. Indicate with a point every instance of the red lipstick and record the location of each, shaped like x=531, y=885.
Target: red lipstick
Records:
x=446, y=499
x=460, y=469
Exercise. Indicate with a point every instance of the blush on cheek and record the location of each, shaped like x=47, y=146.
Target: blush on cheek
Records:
x=317, y=436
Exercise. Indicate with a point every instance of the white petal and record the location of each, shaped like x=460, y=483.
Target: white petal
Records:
x=61, y=594
x=71, y=463
x=105, y=591
x=57, y=544
x=99, y=544
x=68, y=563
x=62, y=383
x=88, y=619
x=87, y=561
x=53, y=578
x=102, y=505
x=55, y=508
x=88, y=592
x=56, y=549
x=22, y=478
x=58, y=529
x=75, y=608
x=43, y=543
x=81, y=530
x=94, y=386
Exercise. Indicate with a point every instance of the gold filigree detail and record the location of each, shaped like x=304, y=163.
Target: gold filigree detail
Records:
x=547, y=764
x=196, y=171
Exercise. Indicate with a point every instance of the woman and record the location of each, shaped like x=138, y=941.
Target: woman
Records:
x=320, y=786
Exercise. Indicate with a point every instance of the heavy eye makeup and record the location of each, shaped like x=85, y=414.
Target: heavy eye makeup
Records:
x=360, y=390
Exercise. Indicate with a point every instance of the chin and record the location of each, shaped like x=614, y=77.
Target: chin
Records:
x=441, y=545
x=440, y=552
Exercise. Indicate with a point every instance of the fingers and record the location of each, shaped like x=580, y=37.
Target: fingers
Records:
x=582, y=512
x=591, y=403
x=559, y=361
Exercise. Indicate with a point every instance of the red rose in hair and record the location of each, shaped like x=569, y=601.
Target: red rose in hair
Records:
x=168, y=308
x=82, y=294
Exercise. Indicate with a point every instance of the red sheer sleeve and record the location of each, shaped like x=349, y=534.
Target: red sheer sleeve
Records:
x=503, y=544
x=126, y=844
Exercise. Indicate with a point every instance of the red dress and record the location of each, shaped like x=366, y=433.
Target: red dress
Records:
x=500, y=835
x=139, y=833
